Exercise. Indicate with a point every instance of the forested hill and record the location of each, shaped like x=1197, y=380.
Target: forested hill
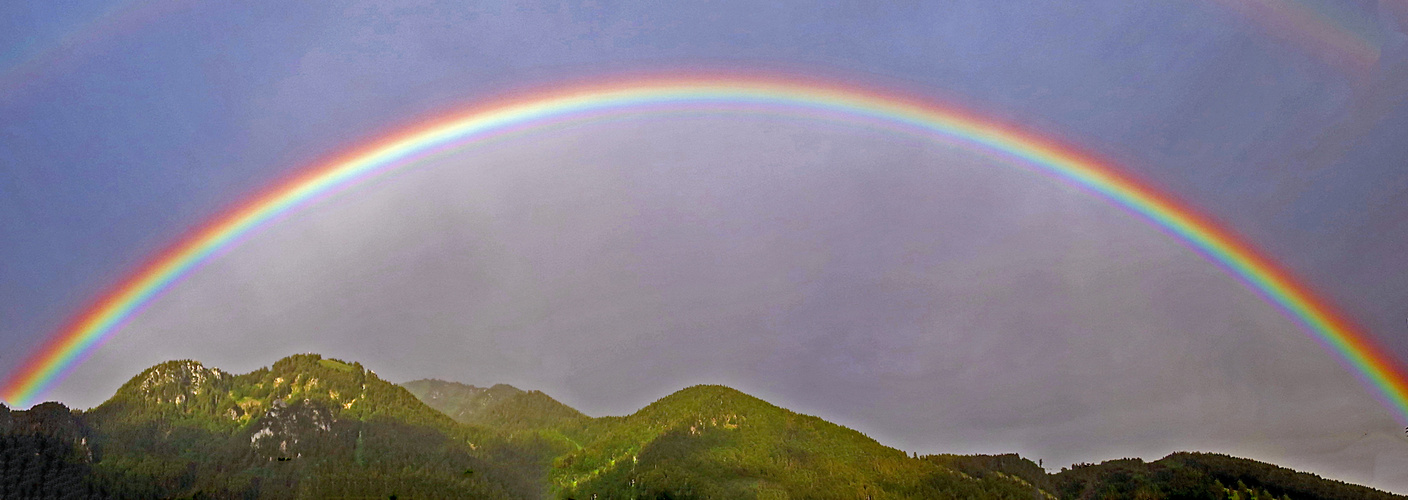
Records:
x=305, y=427
x=1179, y=475
x=311, y=427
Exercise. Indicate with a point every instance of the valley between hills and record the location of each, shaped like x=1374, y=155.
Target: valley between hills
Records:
x=315, y=427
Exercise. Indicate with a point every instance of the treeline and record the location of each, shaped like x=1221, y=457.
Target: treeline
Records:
x=47, y=453
x=1190, y=476
x=1204, y=476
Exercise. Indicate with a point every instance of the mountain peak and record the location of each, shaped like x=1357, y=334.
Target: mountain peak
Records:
x=313, y=362
x=712, y=390
x=500, y=405
x=188, y=387
x=707, y=399
x=175, y=382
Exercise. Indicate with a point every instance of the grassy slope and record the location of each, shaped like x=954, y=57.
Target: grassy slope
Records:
x=716, y=442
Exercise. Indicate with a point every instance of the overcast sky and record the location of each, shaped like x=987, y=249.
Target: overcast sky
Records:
x=929, y=296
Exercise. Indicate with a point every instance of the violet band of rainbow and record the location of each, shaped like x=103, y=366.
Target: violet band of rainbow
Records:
x=1375, y=367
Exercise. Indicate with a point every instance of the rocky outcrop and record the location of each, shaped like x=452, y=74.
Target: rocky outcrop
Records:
x=178, y=382
x=288, y=431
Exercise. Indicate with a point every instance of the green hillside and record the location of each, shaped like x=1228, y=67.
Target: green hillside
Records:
x=306, y=427
x=716, y=442
x=310, y=427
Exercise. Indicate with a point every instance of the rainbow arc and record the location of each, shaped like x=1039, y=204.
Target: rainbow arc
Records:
x=1376, y=368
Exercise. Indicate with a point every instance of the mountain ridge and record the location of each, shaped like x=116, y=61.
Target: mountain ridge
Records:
x=313, y=427
x=500, y=405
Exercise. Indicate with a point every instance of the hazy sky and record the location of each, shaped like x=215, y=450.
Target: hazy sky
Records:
x=934, y=298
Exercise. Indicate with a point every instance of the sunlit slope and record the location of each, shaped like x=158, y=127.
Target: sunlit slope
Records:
x=716, y=442
x=306, y=426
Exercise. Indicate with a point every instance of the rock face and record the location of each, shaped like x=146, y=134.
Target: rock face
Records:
x=289, y=430
x=185, y=376
x=184, y=385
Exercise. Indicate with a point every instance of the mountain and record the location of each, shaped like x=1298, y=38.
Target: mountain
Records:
x=701, y=442
x=306, y=427
x=311, y=427
x=716, y=442
x=502, y=406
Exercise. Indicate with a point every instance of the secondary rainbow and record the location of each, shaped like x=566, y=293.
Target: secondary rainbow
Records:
x=1337, y=38
x=846, y=102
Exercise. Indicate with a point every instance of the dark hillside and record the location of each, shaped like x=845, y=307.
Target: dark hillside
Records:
x=1203, y=476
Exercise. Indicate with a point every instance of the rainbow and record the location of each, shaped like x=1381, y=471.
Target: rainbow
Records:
x=85, y=42
x=1337, y=38
x=847, y=103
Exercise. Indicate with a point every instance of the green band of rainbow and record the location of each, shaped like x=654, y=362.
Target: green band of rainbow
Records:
x=1378, y=370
